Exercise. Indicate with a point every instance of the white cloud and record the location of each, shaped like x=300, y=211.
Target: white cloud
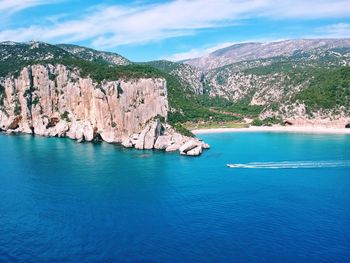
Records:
x=193, y=53
x=207, y=49
x=111, y=26
x=118, y=25
x=198, y=52
x=12, y=6
x=308, y=9
x=340, y=30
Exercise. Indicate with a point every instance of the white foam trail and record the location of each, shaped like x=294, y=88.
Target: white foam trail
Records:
x=292, y=165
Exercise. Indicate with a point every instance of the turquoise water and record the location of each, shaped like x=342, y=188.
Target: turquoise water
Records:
x=61, y=201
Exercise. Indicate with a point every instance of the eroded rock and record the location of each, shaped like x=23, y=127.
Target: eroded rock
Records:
x=188, y=146
x=53, y=100
x=195, y=151
x=163, y=142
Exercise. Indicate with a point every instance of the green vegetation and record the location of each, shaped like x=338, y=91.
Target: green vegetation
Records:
x=237, y=109
x=181, y=129
x=214, y=125
x=183, y=102
x=272, y=120
x=266, y=122
x=27, y=93
x=119, y=90
x=274, y=106
x=221, y=80
x=100, y=71
x=163, y=65
x=257, y=122
x=245, y=109
x=36, y=100
x=18, y=109
x=270, y=69
x=329, y=89
x=65, y=116
x=160, y=118
x=2, y=95
x=52, y=76
x=20, y=55
x=94, y=55
x=184, y=106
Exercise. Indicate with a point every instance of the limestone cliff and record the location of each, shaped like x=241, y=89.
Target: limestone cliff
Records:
x=52, y=100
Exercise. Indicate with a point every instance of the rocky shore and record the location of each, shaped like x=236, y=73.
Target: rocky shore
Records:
x=163, y=137
x=52, y=100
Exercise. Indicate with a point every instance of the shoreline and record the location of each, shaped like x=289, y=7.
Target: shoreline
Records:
x=290, y=129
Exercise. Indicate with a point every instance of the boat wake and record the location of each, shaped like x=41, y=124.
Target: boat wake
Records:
x=291, y=165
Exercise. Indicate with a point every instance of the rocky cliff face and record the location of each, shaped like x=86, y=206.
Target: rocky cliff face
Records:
x=53, y=100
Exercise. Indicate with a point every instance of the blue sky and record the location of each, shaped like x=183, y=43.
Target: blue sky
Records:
x=145, y=30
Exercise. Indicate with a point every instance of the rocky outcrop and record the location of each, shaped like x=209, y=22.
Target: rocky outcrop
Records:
x=53, y=100
x=193, y=148
x=162, y=137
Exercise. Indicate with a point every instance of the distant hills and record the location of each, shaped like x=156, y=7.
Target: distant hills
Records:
x=264, y=82
x=95, y=55
x=184, y=103
x=253, y=51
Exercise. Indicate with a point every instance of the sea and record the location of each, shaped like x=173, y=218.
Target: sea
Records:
x=288, y=200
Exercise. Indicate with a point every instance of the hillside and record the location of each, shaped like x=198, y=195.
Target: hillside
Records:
x=299, y=80
x=253, y=51
x=273, y=84
x=309, y=84
x=46, y=90
x=14, y=56
x=183, y=105
x=190, y=77
x=94, y=55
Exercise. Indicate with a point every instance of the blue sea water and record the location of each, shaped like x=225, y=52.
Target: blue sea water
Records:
x=61, y=201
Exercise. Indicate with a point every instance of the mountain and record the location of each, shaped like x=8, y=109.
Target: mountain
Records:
x=15, y=55
x=191, y=77
x=294, y=81
x=291, y=85
x=183, y=107
x=51, y=91
x=253, y=51
x=275, y=84
x=94, y=55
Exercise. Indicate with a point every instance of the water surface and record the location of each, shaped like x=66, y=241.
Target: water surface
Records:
x=61, y=201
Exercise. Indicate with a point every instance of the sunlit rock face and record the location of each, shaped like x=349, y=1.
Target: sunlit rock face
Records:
x=52, y=100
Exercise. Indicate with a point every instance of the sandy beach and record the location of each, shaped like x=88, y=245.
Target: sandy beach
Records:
x=318, y=130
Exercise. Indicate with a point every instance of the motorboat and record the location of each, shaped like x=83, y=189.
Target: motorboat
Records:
x=236, y=165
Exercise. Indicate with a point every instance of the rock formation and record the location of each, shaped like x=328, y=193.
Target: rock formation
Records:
x=53, y=100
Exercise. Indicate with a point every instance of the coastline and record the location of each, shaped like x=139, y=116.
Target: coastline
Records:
x=289, y=129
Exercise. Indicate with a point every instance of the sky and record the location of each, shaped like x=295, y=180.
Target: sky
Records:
x=144, y=30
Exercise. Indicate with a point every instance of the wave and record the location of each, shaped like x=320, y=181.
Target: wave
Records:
x=292, y=165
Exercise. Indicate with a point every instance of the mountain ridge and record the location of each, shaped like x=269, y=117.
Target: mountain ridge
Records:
x=265, y=91
x=258, y=50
